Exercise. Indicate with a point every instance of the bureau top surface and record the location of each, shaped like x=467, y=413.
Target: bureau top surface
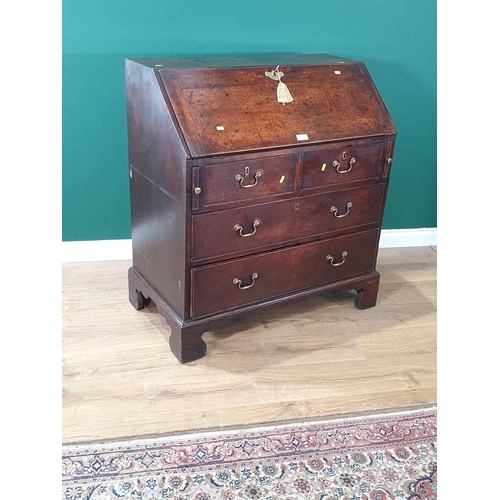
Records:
x=232, y=105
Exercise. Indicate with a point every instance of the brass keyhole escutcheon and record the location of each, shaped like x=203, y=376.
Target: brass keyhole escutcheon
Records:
x=343, y=156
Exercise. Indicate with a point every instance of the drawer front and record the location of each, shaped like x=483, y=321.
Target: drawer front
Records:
x=342, y=164
x=245, y=180
x=219, y=234
x=236, y=283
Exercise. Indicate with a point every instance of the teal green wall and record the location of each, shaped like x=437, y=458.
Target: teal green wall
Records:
x=395, y=39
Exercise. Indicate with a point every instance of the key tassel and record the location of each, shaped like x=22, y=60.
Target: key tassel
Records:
x=282, y=91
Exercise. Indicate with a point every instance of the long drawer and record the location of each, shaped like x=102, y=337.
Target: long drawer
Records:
x=228, y=232
x=243, y=281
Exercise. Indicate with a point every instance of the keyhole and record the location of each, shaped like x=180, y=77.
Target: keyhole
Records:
x=247, y=170
x=344, y=155
x=297, y=206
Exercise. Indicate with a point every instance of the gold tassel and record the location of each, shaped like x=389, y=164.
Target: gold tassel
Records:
x=284, y=95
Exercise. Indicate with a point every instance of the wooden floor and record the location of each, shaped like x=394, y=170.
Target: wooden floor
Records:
x=310, y=359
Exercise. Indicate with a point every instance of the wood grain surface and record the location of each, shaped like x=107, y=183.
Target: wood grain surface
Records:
x=309, y=359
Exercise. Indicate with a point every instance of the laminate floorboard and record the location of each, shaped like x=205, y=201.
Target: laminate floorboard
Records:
x=309, y=359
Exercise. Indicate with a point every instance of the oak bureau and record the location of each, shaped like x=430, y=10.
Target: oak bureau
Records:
x=253, y=180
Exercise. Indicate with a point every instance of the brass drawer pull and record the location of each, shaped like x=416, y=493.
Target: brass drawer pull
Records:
x=237, y=281
x=336, y=164
x=335, y=211
x=240, y=178
x=239, y=228
x=330, y=258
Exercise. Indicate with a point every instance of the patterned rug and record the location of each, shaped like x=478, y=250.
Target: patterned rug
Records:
x=382, y=457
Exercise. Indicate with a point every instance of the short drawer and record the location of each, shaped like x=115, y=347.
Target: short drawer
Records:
x=247, y=280
x=342, y=164
x=226, y=232
x=222, y=183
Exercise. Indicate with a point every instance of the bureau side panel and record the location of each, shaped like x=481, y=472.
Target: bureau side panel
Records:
x=155, y=145
x=157, y=169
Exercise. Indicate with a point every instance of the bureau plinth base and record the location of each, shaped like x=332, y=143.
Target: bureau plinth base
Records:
x=186, y=342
